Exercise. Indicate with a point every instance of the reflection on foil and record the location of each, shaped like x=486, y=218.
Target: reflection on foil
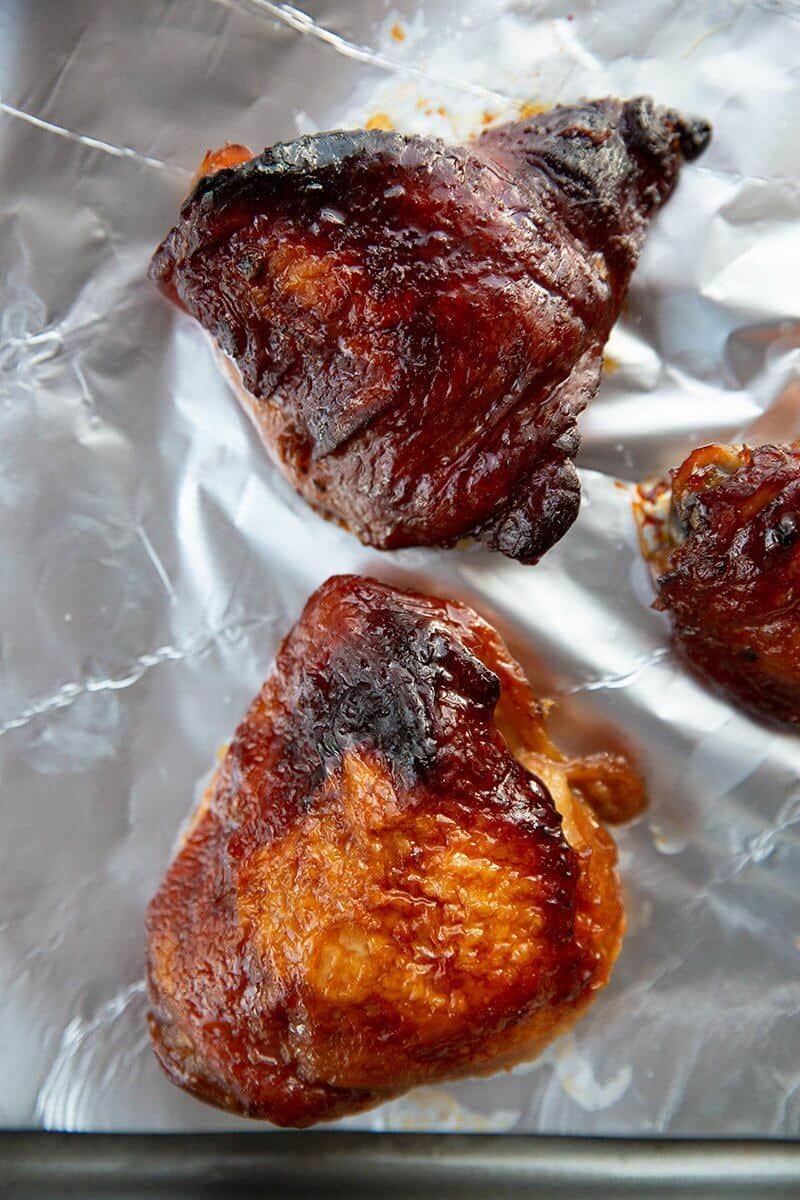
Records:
x=158, y=557
x=761, y=846
x=100, y=1050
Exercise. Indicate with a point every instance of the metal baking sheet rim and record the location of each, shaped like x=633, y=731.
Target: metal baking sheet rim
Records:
x=398, y=1164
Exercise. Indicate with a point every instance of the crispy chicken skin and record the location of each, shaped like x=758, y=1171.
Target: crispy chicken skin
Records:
x=415, y=327
x=723, y=538
x=395, y=878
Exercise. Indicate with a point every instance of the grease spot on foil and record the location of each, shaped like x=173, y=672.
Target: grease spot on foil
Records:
x=379, y=120
x=533, y=108
x=405, y=30
x=668, y=841
x=575, y=1073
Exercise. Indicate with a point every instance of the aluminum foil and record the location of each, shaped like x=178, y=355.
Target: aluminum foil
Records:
x=152, y=557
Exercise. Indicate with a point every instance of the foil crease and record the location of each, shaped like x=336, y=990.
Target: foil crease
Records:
x=153, y=558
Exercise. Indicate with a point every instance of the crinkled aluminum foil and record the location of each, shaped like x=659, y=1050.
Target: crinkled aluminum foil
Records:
x=152, y=557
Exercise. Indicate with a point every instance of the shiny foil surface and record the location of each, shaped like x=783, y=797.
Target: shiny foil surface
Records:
x=153, y=558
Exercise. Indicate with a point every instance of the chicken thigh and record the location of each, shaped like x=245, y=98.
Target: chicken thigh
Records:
x=415, y=327
x=395, y=877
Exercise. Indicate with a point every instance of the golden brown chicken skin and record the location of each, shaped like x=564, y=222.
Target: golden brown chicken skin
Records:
x=394, y=879
x=415, y=327
x=723, y=538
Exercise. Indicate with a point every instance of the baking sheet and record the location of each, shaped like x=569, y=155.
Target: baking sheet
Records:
x=152, y=557
x=38, y=1166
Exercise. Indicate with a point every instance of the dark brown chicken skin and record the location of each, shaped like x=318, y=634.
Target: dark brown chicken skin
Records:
x=723, y=536
x=415, y=327
x=395, y=877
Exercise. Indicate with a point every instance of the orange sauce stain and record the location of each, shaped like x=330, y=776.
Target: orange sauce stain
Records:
x=398, y=33
x=487, y=118
x=610, y=364
x=380, y=120
x=532, y=109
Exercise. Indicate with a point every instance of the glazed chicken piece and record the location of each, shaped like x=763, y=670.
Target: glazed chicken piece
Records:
x=722, y=536
x=394, y=879
x=415, y=327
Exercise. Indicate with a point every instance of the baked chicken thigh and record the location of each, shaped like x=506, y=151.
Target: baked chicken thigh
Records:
x=722, y=536
x=395, y=877
x=415, y=327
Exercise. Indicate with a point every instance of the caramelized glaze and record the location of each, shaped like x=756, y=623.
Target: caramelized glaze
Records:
x=394, y=878
x=723, y=537
x=417, y=326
